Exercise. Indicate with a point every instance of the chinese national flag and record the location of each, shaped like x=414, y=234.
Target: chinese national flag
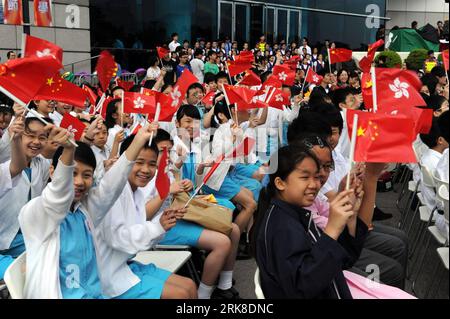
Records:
x=104, y=106
x=37, y=47
x=126, y=85
x=236, y=94
x=278, y=99
x=254, y=104
x=43, y=13
x=366, y=86
x=284, y=74
x=238, y=67
x=135, y=103
x=58, y=89
x=73, y=125
x=106, y=69
x=162, y=52
x=208, y=100
x=292, y=63
x=250, y=79
x=245, y=57
x=383, y=138
x=397, y=88
x=91, y=94
x=340, y=55
x=445, y=60
x=366, y=63
x=21, y=79
x=162, y=179
x=270, y=83
x=171, y=103
x=313, y=77
x=12, y=12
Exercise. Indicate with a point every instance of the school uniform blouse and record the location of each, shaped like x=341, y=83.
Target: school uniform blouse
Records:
x=298, y=261
x=41, y=219
x=6, y=182
x=12, y=201
x=5, y=147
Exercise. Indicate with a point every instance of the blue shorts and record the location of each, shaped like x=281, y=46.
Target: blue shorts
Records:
x=247, y=170
x=7, y=256
x=151, y=285
x=184, y=233
x=228, y=190
x=5, y=262
x=225, y=203
x=239, y=176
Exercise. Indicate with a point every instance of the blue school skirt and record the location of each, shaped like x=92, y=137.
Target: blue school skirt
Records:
x=184, y=233
x=151, y=285
x=242, y=174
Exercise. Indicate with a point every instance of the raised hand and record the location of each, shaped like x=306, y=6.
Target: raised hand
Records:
x=341, y=211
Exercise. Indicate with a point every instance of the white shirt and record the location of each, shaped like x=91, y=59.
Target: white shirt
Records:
x=153, y=73
x=342, y=169
x=125, y=232
x=173, y=46
x=430, y=160
x=5, y=147
x=344, y=144
x=112, y=132
x=442, y=167
x=100, y=157
x=6, y=182
x=15, y=198
x=40, y=222
x=198, y=67
x=56, y=117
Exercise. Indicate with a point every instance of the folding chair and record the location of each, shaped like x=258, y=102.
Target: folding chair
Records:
x=258, y=290
x=15, y=277
x=168, y=260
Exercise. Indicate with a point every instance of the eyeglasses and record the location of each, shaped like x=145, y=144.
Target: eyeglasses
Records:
x=310, y=144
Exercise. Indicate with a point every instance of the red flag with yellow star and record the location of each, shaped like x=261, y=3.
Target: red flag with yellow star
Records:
x=21, y=79
x=366, y=86
x=106, y=69
x=58, y=89
x=383, y=138
x=340, y=55
x=250, y=79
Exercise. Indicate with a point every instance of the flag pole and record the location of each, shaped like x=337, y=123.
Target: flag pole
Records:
x=40, y=118
x=374, y=89
x=193, y=196
x=122, y=108
x=226, y=99
x=329, y=60
x=228, y=71
x=23, y=114
x=158, y=112
x=352, y=148
x=304, y=81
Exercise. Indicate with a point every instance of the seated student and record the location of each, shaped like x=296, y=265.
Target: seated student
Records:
x=296, y=259
x=220, y=261
x=57, y=226
x=437, y=141
x=385, y=246
x=6, y=115
x=126, y=230
x=114, y=120
x=9, y=177
x=32, y=181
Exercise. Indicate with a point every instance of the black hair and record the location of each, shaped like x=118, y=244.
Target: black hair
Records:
x=342, y=71
x=153, y=59
x=431, y=139
x=5, y=109
x=431, y=82
x=340, y=95
x=443, y=126
x=8, y=55
x=330, y=114
x=126, y=144
x=165, y=86
x=162, y=136
x=435, y=102
x=111, y=109
x=30, y=120
x=210, y=77
x=221, y=75
x=287, y=159
x=211, y=53
x=115, y=88
x=224, y=109
x=438, y=71
x=189, y=111
x=195, y=86
x=198, y=52
x=83, y=154
x=174, y=35
x=309, y=122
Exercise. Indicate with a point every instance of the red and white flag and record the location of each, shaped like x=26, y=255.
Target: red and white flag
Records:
x=33, y=46
x=136, y=103
x=208, y=100
x=313, y=78
x=278, y=99
x=162, y=179
x=43, y=13
x=73, y=125
x=284, y=74
x=12, y=12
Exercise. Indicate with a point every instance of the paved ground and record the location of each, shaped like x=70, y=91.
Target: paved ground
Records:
x=432, y=269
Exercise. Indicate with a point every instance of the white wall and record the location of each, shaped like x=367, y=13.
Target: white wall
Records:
x=76, y=43
x=404, y=12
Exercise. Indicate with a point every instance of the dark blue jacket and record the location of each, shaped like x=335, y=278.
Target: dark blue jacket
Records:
x=297, y=261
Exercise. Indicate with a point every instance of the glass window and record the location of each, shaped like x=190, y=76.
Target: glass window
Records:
x=242, y=22
x=294, y=27
x=226, y=20
x=270, y=25
x=282, y=17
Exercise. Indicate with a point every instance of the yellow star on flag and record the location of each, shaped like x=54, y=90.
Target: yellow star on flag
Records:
x=50, y=81
x=369, y=84
x=361, y=132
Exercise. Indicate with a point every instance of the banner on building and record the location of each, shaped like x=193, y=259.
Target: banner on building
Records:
x=12, y=12
x=43, y=13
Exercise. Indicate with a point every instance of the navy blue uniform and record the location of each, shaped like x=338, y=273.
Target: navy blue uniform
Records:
x=297, y=261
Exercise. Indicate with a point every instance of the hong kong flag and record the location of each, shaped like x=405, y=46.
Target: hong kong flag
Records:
x=292, y=63
x=73, y=125
x=36, y=47
x=12, y=12
x=135, y=103
x=171, y=103
x=208, y=100
x=162, y=179
x=278, y=99
x=313, y=77
x=106, y=69
x=383, y=138
x=397, y=88
x=340, y=55
x=43, y=13
x=237, y=94
x=255, y=103
x=270, y=83
x=21, y=79
x=284, y=74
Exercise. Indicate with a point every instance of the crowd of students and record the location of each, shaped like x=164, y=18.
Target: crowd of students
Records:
x=83, y=213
